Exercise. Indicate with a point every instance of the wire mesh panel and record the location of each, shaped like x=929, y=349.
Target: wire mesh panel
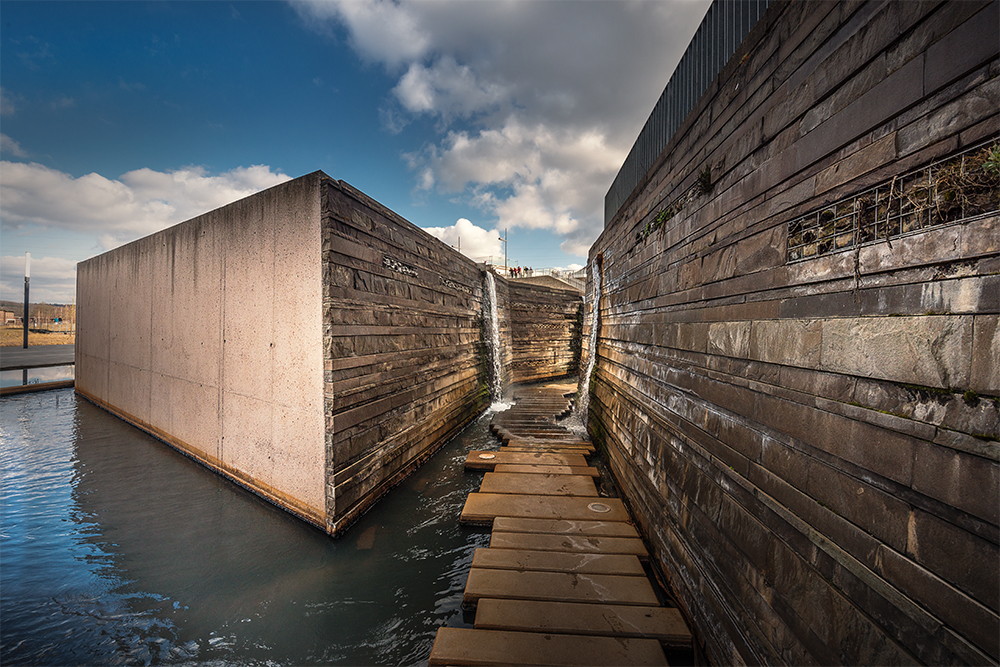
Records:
x=723, y=29
x=955, y=189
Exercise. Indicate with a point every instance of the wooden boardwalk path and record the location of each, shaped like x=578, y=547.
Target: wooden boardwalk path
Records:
x=562, y=582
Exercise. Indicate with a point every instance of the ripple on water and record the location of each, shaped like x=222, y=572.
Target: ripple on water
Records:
x=118, y=550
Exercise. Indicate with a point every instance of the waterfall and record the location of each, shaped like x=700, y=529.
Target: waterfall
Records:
x=583, y=394
x=491, y=316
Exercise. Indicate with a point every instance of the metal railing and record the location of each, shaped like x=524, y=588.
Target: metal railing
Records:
x=725, y=26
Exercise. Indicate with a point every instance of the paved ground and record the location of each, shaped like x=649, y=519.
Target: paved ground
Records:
x=39, y=356
x=562, y=582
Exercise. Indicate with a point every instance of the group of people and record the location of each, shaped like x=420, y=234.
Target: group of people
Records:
x=518, y=272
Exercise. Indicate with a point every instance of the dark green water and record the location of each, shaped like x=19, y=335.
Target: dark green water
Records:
x=117, y=550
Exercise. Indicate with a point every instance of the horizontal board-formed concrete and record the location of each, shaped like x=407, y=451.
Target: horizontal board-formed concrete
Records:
x=797, y=386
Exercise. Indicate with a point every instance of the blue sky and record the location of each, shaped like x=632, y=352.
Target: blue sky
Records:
x=121, y=118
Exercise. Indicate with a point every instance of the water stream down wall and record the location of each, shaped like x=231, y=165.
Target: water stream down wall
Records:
x=308, y=343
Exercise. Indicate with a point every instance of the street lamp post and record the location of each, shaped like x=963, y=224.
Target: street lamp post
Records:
x=27, y=278
x=503, y=239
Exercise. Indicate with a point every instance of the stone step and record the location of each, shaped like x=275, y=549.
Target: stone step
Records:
x=590, y=471
x=465, y=646
x=664, y=624
x=483, y=460
x=557, y=587
x=508, y=524
x=482, y=508
x=571, y=543
x=555, y=561
x=542, y=485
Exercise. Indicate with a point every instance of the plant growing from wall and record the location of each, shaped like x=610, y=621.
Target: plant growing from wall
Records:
x=705, y=181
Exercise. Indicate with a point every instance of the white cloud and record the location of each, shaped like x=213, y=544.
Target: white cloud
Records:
x=538, y=103
x=116, y=211
x=11, y=147
x=53, y=279
x=475, y=242
x=380, y=30
x=446, y=88
x=7, y=106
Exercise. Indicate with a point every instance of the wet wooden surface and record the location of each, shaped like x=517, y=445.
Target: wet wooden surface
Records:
x=562, y=582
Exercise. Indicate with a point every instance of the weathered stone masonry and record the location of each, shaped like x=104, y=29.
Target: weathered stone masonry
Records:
x=808, y=430
x=305, y=342
x=402, y=347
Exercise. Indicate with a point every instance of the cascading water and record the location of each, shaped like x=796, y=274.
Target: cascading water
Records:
x=496, y=357
x=583, y=402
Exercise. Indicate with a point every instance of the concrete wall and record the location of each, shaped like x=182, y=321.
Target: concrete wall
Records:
x=811, y=446
x=208, y=335
x=307, y=342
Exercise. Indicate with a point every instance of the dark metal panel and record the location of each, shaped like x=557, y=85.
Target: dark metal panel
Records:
x=725, y=26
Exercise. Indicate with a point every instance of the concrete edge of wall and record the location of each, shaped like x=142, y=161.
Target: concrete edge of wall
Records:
x=266, y=492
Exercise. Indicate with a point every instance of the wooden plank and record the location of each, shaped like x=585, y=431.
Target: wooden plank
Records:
x=508, y=524
x=465, y=646
x=554, y=561
x=475, y=460
x=542, y=485
x=482, y=508
x=590, y=471
x=571, y=543
x=573, y=618
x=557, y=587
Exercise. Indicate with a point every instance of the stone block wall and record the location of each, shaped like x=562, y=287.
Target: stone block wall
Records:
x=801, y=406
x=403, y=347
x=546, y=326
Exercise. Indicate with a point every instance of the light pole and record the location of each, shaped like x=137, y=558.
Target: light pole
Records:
x=27, y=278
x=503, y=239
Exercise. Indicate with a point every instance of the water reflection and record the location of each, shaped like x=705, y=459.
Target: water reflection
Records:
x=118, y=550
x=16, y=378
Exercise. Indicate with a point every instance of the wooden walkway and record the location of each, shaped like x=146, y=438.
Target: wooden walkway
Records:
x=562, y=582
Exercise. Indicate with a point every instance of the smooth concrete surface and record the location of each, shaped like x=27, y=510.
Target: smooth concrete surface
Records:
x=209, y=335
x=558, y=587
x=464, y=646
x=555, y=561
x=36, y=356
x=662, y=623
x=571, y=543
x=482, y=508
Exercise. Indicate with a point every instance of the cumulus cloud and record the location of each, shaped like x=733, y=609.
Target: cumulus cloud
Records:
x=116, y=211
x=53, y=279
x=10, y=147
x=7, y=103
x=475, y=242
x=537, y=103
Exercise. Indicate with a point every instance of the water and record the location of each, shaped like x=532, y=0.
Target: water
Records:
x=583, y=404
x=35, y=375
x=495, y=353
x=115, y=549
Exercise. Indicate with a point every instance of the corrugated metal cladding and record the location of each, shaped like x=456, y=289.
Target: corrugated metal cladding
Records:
x=723, y=29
